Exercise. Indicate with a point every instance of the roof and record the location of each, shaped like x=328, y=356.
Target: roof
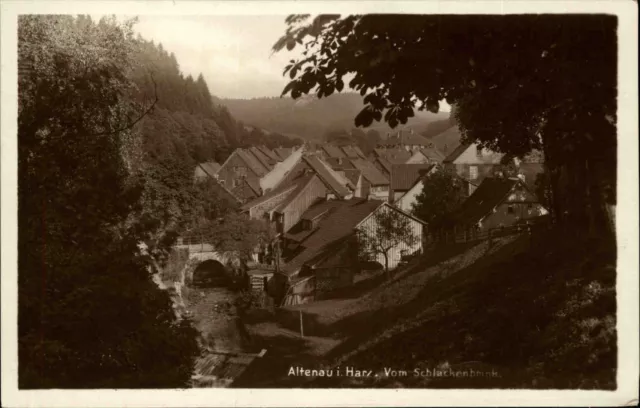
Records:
x=352, y=175
x=385, y=164
x=273, y=193
x=254, y=184
x=269, y=153
x=337, y=225
x=456, y=153
x=339, y=163
x=491, y=192
x=432, y=153
x=265, y=160
x=283, y=152
x=326, y=175
x=245, y=191
x=210, y=168
x=448, y=140
x=350, y=152
x=405, y=176
x=392, y=207
x=394, y=155
x=359, y=151
x=370, y=172
x=252, y=162
x=333, y=151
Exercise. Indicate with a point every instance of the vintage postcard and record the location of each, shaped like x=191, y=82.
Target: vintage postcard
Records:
x=307, y=203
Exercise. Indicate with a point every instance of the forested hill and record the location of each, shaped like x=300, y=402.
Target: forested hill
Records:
x=186, y=124
x=312, y=118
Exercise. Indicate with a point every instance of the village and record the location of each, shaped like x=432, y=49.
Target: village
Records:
x=341, y=219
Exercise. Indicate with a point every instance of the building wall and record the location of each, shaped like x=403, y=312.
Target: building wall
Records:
x=394, y=255
x=379, y=192
x=418, y=158
x=233, y=169
x=261, y=209
x=301, y=203
x=405, y=202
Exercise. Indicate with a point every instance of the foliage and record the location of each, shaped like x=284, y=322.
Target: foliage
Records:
x=390, y=229
x=235, y=233
x=441, y=194
x=518, y=82
x=89, y=314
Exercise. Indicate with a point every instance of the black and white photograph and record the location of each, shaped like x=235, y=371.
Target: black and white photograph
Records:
x=276, y=197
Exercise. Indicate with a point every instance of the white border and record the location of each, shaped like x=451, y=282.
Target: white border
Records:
x=627, y=283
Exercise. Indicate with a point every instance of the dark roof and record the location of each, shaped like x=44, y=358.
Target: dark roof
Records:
x=332, y=151
x=325, y=173
x=265, y=160
x=339, y=163
x=255, y=185
x=350, y=152
x=210, y=168
x=370, y=172
x=405, y=176
x=385, y=164
x=456, y=153
x=448, y=140
x=283, y=152
x=432, y=153
x=352, y=175
x=275, y=192
x=269, y=153
x=359, y=151
x=334, y=227
x=394, y=155
x=252, y=162
x=491, y=192
x=245, y=191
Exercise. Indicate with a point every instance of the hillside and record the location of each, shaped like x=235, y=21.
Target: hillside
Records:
x=521, y=308
x=310, y=118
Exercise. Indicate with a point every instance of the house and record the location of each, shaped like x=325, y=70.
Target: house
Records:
x=369, y=227
x=426, y=155
x=497, y=202
x=241, y=164
x=351, y=153
x=473, y=163
x=321, y=252
x=338, y=185
x=362, y=187
x=376, y=182
x=332, y=151
x=448, y=140
x=283, y=152
x=405, y=176
x=246, y=189
x=205, y=171
x=383, y=158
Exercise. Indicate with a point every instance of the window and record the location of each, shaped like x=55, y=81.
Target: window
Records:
x=478, y=151
x=473, y=172
x=510, y=210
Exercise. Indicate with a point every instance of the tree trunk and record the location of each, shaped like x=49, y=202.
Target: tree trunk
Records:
x=386, y=266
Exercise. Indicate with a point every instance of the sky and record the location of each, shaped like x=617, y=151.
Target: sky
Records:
x=233, y=53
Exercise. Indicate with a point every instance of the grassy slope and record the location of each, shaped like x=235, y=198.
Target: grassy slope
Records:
x=540, y=312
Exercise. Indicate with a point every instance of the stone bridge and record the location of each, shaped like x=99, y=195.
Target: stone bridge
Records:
x=205, y=262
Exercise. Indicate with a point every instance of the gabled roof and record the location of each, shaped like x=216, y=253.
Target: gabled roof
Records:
x=350, y=152
x=394, y=208
x=265, y=160
x=384, y=163
x=269, y=153
x=432, y=153
x=328, y=176
x=370, y=172
x=448, y=140
x=456, y=153
x=394, y=155
x=210, y=168
x=406, y=138
x=359, y=151
x=283, y=152
x=333, y=151
x=287, y=188
x=404, y=176
x=333, y=228
x=491, y=192
x=352, y=175
x=245, y=191
x=252, y=162
x=339, y=164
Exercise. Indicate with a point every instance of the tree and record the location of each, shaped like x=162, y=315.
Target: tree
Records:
x=89, y=314
x=519, y=83
x=441, y=194
x=386, y=230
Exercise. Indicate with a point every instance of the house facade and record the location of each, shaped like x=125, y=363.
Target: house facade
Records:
x=473, y=163
x=369, y=226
